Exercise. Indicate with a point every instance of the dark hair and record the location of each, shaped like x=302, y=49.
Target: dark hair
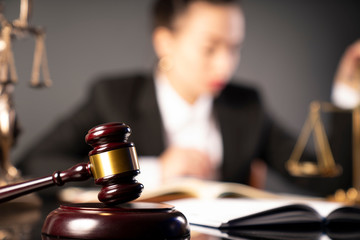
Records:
x=165, y=11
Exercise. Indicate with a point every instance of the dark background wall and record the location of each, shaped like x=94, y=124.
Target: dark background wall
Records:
x=291, y=52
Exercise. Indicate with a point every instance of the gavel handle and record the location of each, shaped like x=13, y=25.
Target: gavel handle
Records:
x=79, y=172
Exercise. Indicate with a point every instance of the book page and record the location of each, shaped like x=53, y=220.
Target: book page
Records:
x=205, y=189
x=324, y=208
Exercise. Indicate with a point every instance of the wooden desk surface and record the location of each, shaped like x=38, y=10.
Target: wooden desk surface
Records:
x=22, y=222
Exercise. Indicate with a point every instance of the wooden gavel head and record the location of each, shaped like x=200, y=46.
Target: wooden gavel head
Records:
x=113, y=163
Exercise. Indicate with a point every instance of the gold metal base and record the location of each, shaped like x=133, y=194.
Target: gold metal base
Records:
x=349, y=197
x=310, y=169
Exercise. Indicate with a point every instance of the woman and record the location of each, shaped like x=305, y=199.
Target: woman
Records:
x=186, y=116
x=198, y=44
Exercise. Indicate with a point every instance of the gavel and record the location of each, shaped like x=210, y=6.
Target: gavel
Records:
x=113, y=164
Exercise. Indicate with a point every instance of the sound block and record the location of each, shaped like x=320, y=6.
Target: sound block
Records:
x=134, y=220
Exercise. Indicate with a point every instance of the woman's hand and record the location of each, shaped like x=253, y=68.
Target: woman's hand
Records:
x=181, y=162
x=346, y=88
x=349, y=66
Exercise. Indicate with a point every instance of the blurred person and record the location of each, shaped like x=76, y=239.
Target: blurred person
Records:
x=187, y=117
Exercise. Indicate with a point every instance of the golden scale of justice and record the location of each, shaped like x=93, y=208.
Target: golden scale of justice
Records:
x=326, y=165
x=10, y=31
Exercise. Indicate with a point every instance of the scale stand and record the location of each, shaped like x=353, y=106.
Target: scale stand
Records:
x=325, y=165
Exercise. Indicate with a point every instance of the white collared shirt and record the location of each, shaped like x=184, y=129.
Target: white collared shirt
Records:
x=186, y=125
x=189, y=125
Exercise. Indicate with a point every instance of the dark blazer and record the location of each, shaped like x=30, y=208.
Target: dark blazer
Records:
x=247, y=131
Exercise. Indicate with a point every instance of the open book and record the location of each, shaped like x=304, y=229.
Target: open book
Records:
x=272, y=218
x=202, y=189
